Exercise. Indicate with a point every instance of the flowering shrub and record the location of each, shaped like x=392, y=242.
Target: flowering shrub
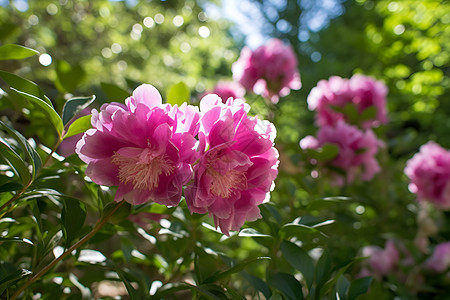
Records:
x=356, y=151
x=429, y=172
x=270, y=70
x=358, y=99
x=127, y=216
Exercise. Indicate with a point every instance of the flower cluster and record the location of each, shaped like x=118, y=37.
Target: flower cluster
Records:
x=270, y=70
x=357, y=150
x=330, y=97
x=341, y=106
x=381, y=261
x=150, y=151
x=237, y=171
x=429, y=172
x=395, y=260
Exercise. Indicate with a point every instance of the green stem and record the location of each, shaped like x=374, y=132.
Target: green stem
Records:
x=75, y=246
x=60, y=139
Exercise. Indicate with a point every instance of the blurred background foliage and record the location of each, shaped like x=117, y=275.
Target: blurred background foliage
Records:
x=107, y=48
x=161, y=42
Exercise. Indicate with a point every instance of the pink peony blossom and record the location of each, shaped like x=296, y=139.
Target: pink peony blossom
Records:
x=382, y=261
x=225, y=90
x=362, y=91
x=236, y=172
x=357, y=150
x=429, y=172
x=271, y=70
x=440, y=259
x=144, y=147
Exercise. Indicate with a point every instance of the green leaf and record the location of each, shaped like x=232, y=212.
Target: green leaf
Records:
x=73, y=216
x=68, y=77
x=261, y=238
x=132, y=293
x=234, y=294
x=30, y=152
x=298, y=230
x=237, y=268
x=358, y=287
x=9, y=274
x=80, y=125
x=15, y=161
x=46, y=108
x=74, y=106
x=326, y=152
x=10, y=186
x=300, y=260
x=120, y=214
x=170, y=289
x=178, y=94
x=323, y=268
x=288, y=285
x=342, y=287
x=271, y=212
x=258, y=284
x=15, y=240
x=12, y=51
x=340, y=271
x=351, y=113
x=369, y=113
x=113, y=92
x=250, y=232
x=24, y=85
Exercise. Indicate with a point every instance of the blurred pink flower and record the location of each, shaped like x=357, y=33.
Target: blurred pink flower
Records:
x=361, y=91
x=144, y=147
x=429, y=172
x=357, y=150
x=271, y=70
x=440, y=259
x=237, y=171
x=382, y=261
x=227, y=89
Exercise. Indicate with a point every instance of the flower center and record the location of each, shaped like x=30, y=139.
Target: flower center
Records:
x=142, y=169
x=223, y=184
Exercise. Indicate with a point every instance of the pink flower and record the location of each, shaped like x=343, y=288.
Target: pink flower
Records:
x=429, y=172
x=144, y=147
x=357, y=150
x=440, y=259
x=382, y=261
x=271, y=70
x=225, y=90
x=236, y=172
x=332, y=95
